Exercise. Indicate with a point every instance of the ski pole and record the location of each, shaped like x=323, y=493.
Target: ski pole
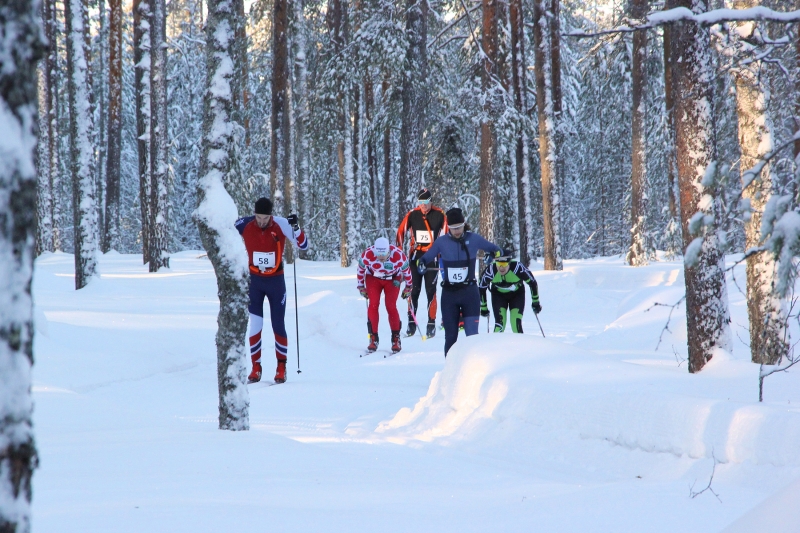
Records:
x=411, y=308
x=296, y=313
x=540, y=324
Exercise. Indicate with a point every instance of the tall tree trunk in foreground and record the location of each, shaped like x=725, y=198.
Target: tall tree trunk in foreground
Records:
x=84, y=205
x=141, y=59
x=488, y=150
x=112, y=218
x=159, y=155
x=21, y=47
x=637, y=253
x=707, y=318
x=215, y=215
x=414, y=95
x=547, y=149
x=519, y=83
x=765, y=310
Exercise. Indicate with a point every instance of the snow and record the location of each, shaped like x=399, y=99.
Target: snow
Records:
x=590, y=429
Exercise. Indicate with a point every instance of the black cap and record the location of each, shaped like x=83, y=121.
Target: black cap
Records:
x=455, y=217
x=505, y=255
x=424, y=194
x=263, y=206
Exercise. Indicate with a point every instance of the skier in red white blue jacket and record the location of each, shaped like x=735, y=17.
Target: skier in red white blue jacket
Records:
x=265, y=238
x=383, y=268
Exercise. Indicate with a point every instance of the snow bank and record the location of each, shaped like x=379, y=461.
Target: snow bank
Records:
x=496, y=386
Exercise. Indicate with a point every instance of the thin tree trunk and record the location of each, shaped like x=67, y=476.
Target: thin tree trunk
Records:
x=519, y=83
x=300, y=93
x=216, y=213
x=637, y=253
x=673, y=246
x=84, y=204
x=21, y=47
x=112, y=219
x=47, y=140
x=369, y=105
x=279, y=118
x=547, y=150
x=765, y=310
x=387, y=163
x=100, y=105
x=707, y=316
x=141, y=58
x=159, y=155
x=414, y=96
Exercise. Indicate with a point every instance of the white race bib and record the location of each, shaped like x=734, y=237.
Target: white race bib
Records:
x=423, y=237
x=264, y=260
x=457, y=275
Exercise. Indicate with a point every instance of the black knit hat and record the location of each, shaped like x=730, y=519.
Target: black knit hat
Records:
x=263, y=206
x=424, y=194
x=455, y=217
x=505, y=256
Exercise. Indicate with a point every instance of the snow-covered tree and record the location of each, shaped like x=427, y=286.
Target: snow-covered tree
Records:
x=20, y=48
x=637, y=253
x=141, y=59
x=216, y=214
x=159, y=154
x=111, y=230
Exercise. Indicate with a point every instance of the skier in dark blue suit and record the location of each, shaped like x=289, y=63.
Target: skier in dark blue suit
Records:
x=457, y=252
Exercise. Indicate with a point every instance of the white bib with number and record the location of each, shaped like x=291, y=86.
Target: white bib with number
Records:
x=264, y=260
x=423, y=237
x=457, y=275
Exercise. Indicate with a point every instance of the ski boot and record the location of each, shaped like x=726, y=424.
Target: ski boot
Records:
x=280, y=372
x=431, y=330
x=396, y=341
x=373, y=342
x=412, y=328
x=255, y=375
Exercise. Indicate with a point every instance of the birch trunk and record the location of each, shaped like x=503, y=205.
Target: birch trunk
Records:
x=21, y=47
x=414, y=95
x=159, y=155
x=216, y=213
x=84, y=205
x=547, y=149
x=112, y=218
x=707, y=317
x=637, y=253
x=766, y=311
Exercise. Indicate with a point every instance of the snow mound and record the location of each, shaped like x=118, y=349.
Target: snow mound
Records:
x=497, y=387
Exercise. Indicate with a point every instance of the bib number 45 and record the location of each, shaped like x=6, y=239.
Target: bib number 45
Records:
x=457, y=275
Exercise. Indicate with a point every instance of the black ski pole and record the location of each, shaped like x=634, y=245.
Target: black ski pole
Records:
x=540, y=324
x=296, y=313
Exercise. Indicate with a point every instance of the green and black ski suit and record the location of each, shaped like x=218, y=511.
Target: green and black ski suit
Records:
x=508, y=296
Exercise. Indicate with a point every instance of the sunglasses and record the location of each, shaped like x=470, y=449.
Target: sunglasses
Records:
x=424, y=202
x=501, y=264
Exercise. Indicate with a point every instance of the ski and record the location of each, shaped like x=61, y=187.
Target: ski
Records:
x=365, y=354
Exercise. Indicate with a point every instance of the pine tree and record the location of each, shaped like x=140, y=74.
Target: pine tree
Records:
x=637, y=253
x=111, y=230
x=141, y=59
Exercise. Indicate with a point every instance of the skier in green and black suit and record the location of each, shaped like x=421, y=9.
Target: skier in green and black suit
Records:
x=505, y=278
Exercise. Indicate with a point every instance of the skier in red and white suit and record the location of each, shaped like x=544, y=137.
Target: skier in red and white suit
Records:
x=383, y=268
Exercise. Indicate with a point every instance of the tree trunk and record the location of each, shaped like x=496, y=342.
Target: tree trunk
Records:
x=369, y=105
x=141, y=58
x=387, y=163
x=21, y=48
x=100, y=105
x=215, y=215
x=159, y=155
x=279, y=118
x=488, y=149
x=765, y=310
x=300, y=94
x=414, y=96
x=519, y=83
x=111, y=230
x=637, y=253
x=46, y=235
x=673, y=246
x=84, y=205
x=707, y=318
x=547, y=149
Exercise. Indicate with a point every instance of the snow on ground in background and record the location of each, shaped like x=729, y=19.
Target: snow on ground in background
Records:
x=591, y=429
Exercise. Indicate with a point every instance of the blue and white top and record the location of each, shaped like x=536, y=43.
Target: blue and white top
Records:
x=457, y=257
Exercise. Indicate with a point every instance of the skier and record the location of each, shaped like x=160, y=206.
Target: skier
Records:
x=265, y=238
x=425, y=223
x=505, y=278
x=382, y=268
x=457, y=252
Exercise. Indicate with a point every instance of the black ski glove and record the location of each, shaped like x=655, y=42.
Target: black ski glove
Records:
x=537, y=307
x=294, y=222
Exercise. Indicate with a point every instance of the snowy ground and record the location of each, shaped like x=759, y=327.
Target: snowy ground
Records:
x=589, y=430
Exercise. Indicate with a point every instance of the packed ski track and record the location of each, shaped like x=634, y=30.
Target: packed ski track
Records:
x=589, y=430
